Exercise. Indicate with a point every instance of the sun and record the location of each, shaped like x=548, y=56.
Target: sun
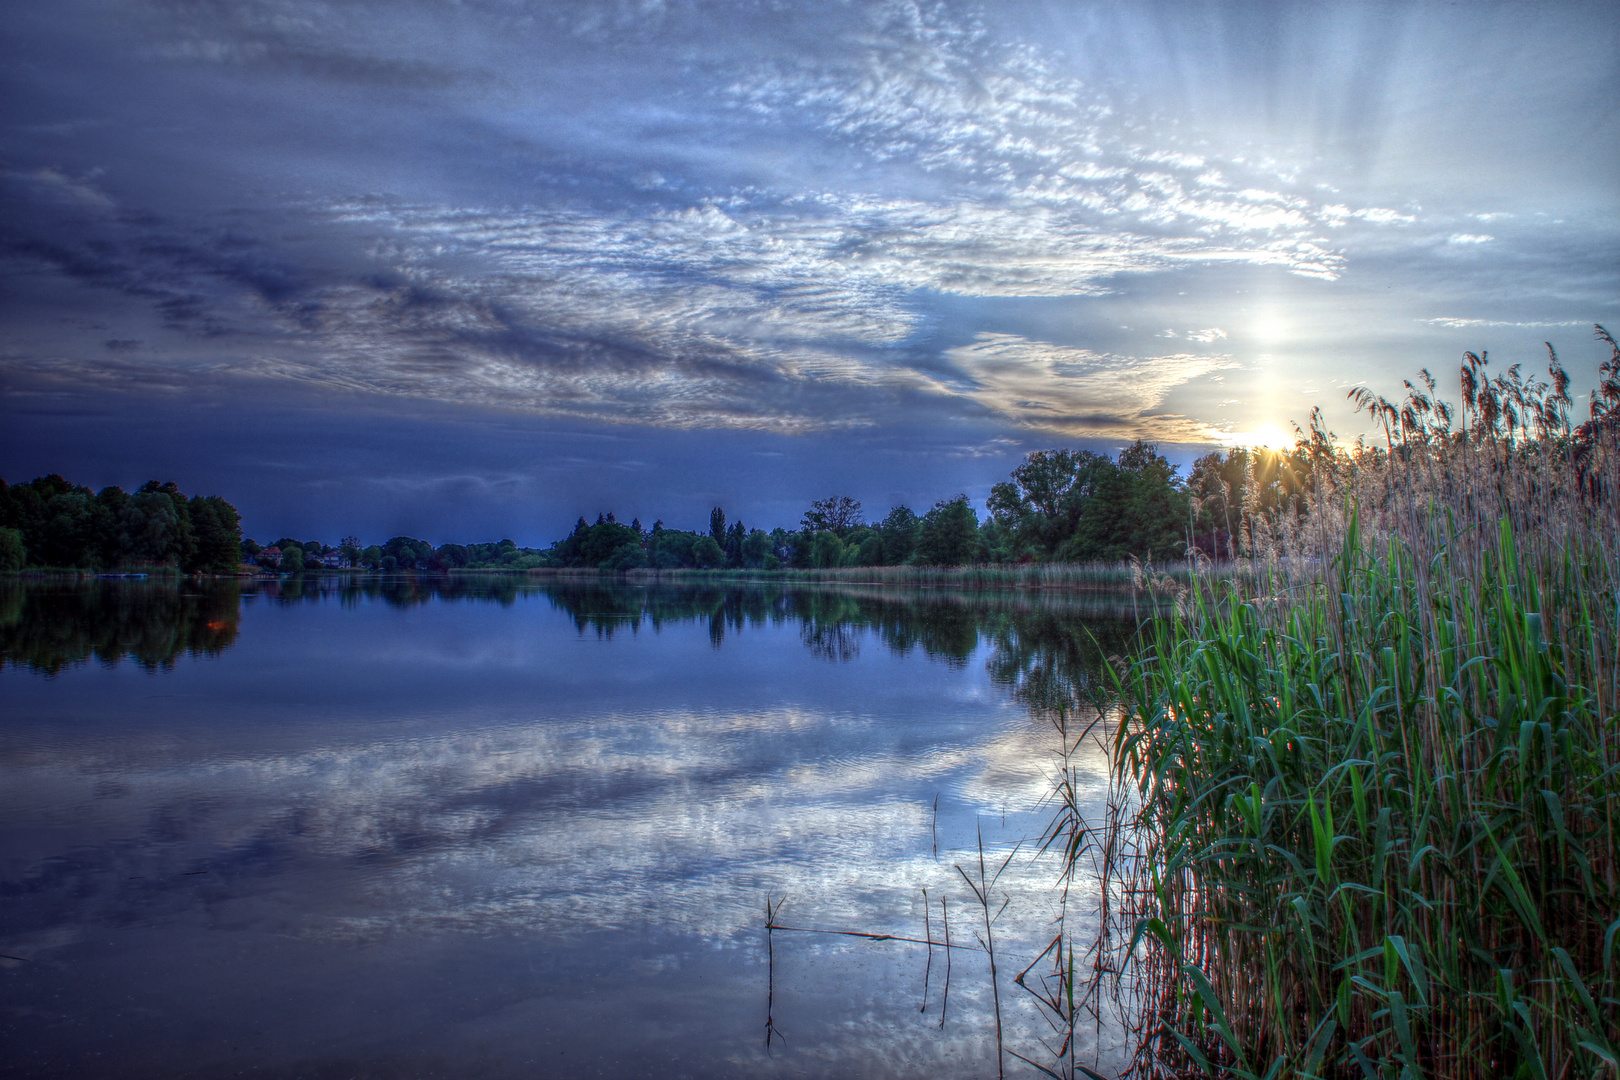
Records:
x=1268, y=436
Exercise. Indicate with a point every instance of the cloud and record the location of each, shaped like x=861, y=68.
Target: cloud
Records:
x=743, y=312
x=711, y=315
x=55, y=184
x=307, y=40
x=1001, y=119
x=1459, y=324
x=780, y=242
x=1077, y=392
x=751, y=310
x=1383, y=216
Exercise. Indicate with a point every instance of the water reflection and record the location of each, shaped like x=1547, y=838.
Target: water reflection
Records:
x=1049, y=646
x=397, y=832
x=48, y=626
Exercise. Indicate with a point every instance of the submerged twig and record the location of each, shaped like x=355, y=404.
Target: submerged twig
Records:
x=871, y=936
x=945, y=999
x=928, y=933
x=771, y=1031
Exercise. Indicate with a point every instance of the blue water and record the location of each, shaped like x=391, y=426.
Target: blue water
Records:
x=528, y=834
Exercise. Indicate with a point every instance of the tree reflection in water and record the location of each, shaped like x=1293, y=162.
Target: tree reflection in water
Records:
x=1048, y=647
x=52, y=625
x=1044, y=648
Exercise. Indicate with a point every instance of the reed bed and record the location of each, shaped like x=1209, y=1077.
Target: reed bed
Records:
x=1106, y=577
x=1373, y=786
x=1112, y=577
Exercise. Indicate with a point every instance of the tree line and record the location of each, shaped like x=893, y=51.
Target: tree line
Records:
x=1057, y=506
x=1067, y=506
x=51, y=522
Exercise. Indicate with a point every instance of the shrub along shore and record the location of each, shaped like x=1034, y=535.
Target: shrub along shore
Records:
x=1100, y=576
x=1366, y=803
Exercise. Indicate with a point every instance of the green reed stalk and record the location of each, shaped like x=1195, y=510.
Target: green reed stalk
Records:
x=1378, y=784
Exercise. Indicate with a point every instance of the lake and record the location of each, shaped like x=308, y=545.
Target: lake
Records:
x=482, y=827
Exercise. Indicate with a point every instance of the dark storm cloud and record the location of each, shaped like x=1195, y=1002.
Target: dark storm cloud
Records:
x=852, y=224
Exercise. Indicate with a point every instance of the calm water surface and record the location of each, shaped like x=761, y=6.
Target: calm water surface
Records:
x=433, y=829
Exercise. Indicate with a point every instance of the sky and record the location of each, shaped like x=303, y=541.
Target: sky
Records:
x=470, y=270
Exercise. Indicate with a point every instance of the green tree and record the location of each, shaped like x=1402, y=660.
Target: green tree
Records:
x=992, y=544
x=451, y=557
x=182, y=545
x=868, y=547
x=1247, y=481
x=217, y=529
x=610, y=546
x=707, y=554
x=837, y=515
x=292, y=560
x=112, y=501
x=899, y=533
x=627, y=557
x=409, y=551
x=69, y=535
x=1139, y=509
x=736, y=539
x=671, y=549
x=148, y=528
x=1039, y=510
x=26, y=510
x=950, y=534
x=756, y=549
x=796, y=550
x=607, y=545
x=12, y=553
x=717, y=526
x=826, y=550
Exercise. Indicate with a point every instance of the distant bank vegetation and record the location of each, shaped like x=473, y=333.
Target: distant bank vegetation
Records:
x=51, y=522
x=1058, y=508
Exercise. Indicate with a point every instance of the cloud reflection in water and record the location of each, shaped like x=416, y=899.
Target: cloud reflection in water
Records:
x=542, y=804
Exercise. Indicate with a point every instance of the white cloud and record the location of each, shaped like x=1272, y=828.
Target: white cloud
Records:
x=1078, y=392
x=1004, y=122
x=1003, y=177
x=60, y=186
x=689, y=317
x=1383, y=216
x=1459, y=324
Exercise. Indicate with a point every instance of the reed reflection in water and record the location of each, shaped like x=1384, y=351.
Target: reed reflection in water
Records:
x=423, y=827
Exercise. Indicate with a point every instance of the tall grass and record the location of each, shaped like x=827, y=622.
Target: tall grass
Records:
x=1109, y=577
x=1375, y=784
